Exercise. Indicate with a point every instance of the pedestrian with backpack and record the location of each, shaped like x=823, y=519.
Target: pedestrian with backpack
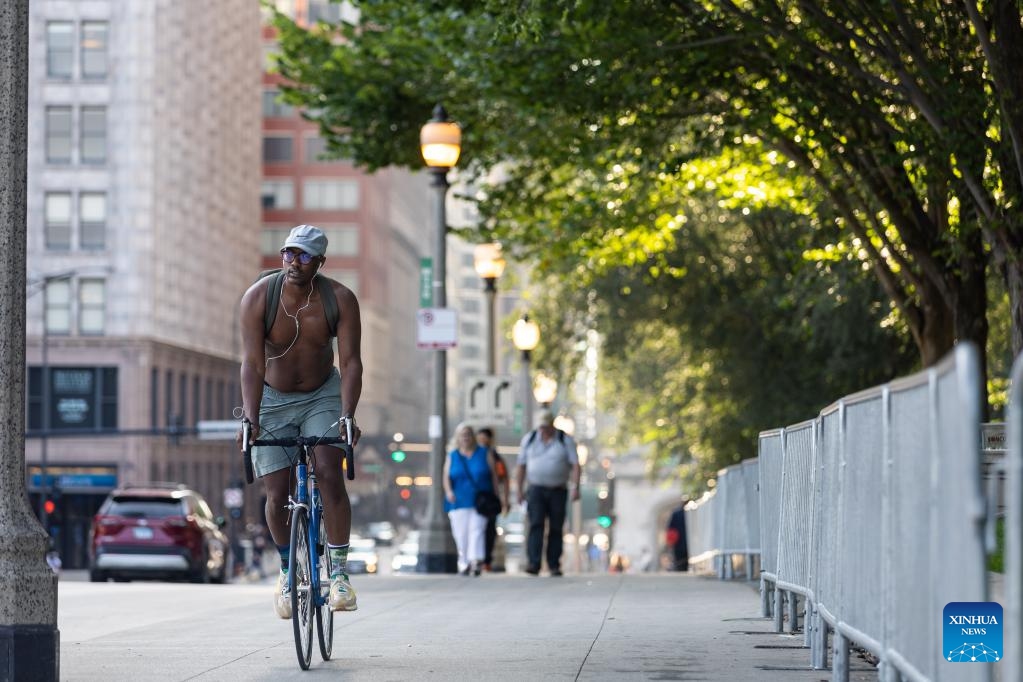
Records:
x=547, y=468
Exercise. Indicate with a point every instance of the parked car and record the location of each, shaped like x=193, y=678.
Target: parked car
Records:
x=383, y=532
x=157, y=531
x=511, y=527
x=362, y=555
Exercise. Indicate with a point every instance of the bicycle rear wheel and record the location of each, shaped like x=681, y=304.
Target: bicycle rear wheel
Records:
x=300, y=575
x=324, y=614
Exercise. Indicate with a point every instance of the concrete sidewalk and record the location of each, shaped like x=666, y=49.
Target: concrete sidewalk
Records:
x=496, y=627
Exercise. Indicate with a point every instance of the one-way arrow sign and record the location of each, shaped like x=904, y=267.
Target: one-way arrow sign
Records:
x=489, y=400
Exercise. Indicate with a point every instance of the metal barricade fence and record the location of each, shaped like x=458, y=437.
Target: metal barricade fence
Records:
x=1013, y=627
x=879, y=519
x=700, y=525
x=770, y=458
x=874, y=512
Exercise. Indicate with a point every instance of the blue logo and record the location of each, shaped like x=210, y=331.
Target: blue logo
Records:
x=972, y=632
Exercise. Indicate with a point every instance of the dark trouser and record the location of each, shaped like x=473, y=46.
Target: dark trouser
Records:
x=489, y=536
x=545, y=506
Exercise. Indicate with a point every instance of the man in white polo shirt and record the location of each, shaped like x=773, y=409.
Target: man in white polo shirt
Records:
x=548, y=462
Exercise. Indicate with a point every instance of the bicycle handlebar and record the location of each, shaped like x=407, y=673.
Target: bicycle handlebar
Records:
x=299, y=441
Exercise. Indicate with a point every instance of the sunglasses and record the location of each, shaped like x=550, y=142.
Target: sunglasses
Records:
x=301, y=256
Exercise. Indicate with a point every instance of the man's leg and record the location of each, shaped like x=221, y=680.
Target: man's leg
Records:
x=337, y=520
x=536, y=508
x=556, y=529
x=337, y=508
x=489, y=539
x=276, y=486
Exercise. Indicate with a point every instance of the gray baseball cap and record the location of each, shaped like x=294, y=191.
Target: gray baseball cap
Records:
x=308, y=238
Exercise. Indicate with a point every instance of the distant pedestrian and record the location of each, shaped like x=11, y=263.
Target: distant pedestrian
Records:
x=676, y=537
x=485, y=438
x=548, y=462
x=468, y=469
x=53, y=561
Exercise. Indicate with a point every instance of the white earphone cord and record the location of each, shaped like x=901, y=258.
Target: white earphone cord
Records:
x=298, y=329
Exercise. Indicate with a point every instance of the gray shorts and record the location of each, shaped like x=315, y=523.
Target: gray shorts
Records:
x=285, y=415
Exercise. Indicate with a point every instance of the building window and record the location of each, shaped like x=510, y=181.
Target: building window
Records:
x=470, y=306
x=60, y=48
x=470, y=328
x=277, y=149
x=92, y=220
x=154, y=398
x=350, y=278
x=196, y=413
x=273, y=107
x=330, y=195
x=79, y=397
x=92, y=299
x=94, y=49
x=57, y=220
x=168, y=398
x=58, y=134
x=324, y=10
x=316, y=150
x=209, y=399
x=278, y=194
x=94, y=134
x=58, y=306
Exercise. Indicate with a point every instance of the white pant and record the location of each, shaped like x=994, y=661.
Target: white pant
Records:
x=469, y=527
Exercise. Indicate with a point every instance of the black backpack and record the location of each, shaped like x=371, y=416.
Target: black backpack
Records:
x=273, y=299
x=532, y=437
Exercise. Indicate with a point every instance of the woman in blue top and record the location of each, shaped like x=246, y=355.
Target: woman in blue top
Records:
x=468, y=469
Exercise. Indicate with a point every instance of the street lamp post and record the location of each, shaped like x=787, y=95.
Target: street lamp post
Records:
x=44, y=483
x=440, y=142
x=526, y=337
x=489, y=266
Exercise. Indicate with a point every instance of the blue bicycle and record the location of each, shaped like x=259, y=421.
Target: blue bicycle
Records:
x=308, y=567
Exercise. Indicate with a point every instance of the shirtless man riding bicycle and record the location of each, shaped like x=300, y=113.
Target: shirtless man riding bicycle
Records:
x=290, y=387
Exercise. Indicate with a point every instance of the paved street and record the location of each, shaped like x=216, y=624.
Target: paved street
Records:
x=496, y=627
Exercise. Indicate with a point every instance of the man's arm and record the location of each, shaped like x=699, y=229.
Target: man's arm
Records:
x=520, y=468
x=253, y=370
x=349, y=351
x=573, y=458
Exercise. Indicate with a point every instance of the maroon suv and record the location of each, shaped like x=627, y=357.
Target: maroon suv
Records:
x=157, y=531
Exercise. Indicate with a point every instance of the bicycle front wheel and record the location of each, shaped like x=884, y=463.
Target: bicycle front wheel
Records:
x=300, y=576
x=324, y=614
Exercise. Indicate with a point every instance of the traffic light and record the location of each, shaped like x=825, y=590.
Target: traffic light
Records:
x=49, y=506
x=405, y=493
x=606, y=503
x=398, y=456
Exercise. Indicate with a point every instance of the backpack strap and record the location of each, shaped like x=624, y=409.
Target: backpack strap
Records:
x=329, y=301
x=273, y=300
x=532, y=437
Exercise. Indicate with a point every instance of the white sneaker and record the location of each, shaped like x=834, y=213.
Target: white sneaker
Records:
x=342, y=595
x=282, y=596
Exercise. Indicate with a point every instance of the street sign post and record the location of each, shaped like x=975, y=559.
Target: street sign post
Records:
x=218, y=429
x=436, y=328
x=489, y=400
x=425, y=282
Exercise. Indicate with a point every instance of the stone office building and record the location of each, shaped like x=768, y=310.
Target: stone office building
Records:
x=143, y=190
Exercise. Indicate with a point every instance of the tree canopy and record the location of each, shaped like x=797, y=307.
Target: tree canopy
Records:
x=756, y=204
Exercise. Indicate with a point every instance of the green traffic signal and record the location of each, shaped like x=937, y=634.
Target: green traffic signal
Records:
x=398, y=455
x=604, y=521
